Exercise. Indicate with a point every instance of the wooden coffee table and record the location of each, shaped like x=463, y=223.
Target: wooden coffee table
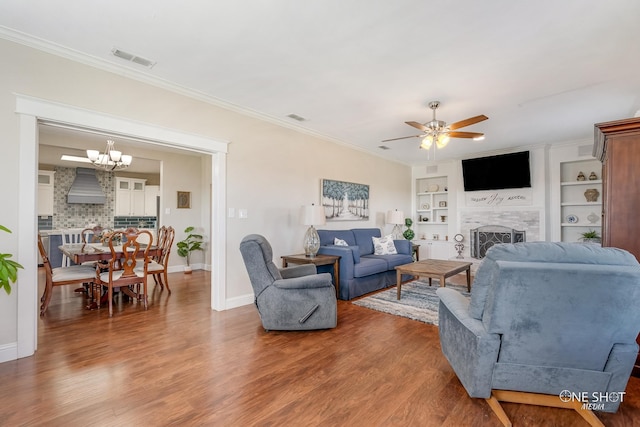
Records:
x=437, y=268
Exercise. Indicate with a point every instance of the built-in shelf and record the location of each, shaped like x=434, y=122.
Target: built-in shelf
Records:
x=581, y=204
x=573, y=201
x=587, y=182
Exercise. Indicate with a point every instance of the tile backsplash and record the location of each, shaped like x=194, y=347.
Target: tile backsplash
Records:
x=45, y=222
x=134, y=221
x=76, y=215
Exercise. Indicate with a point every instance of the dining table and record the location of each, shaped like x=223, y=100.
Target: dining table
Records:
x=88, y=252
x=96, y=252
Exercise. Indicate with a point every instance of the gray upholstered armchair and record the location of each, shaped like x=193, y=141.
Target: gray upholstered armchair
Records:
x=293, y=298
x=548, y=323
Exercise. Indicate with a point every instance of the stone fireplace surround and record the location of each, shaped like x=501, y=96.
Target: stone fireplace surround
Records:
x=522, y=220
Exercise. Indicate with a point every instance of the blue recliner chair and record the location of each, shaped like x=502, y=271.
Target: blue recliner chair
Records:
x=552, y=324
x=292, y=298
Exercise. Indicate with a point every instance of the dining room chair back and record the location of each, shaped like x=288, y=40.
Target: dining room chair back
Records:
x=159, y=266
x=162, y=234
x=127, y=267
x=94, y=234
x=72, y=275
x=71, y=236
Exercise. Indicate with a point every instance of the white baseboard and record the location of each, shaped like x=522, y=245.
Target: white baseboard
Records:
x=180, y=268
x=240, y=301
x=8, y=352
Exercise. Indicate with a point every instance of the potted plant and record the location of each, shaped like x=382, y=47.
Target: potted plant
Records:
x=408, y=233
x=591, y=236
x=193, y=242
x=8, y=268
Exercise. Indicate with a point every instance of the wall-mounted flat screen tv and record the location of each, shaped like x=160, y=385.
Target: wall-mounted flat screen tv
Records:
x=497, y=172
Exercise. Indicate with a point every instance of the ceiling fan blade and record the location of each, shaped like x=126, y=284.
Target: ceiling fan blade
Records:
x=402, y=137
x=465, y=134
x=468, y=122
x=418, y=126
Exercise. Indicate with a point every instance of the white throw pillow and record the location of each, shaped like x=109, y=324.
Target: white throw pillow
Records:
x=339, y=242
x=384, y=245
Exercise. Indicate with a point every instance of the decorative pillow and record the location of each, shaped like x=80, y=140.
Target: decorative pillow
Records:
x=340, y=242
x=384, y=245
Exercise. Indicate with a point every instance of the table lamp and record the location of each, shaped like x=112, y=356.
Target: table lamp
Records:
x=312, y=215
x=396, y=217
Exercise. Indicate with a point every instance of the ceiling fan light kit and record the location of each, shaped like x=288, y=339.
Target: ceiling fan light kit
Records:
x=437, y=130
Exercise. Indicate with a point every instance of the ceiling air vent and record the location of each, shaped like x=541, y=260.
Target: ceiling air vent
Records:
x=296, y=117
x=133, y=58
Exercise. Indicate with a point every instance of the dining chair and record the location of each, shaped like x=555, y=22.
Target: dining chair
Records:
x=94, y=234
x=71, y=236
x=127, y=267
x=59, y=276
x=159, y=265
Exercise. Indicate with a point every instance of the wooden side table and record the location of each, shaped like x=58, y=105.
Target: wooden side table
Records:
x=415, y=250
x=319, y=259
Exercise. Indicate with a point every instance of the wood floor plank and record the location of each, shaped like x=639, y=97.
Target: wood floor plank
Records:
x=180, y=363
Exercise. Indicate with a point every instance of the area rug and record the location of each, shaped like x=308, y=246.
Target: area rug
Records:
x=418, y=300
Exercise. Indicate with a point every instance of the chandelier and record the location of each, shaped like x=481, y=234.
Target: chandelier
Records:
x=111, y=159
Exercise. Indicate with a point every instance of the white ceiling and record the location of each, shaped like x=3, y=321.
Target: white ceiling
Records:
x=543, y=71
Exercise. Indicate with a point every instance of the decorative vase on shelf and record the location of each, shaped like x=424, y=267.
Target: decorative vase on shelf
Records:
x=591, y=194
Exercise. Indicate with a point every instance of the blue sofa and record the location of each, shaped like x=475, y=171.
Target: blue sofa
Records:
x=361, y=271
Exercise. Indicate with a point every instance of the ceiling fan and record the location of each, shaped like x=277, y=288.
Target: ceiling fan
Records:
x=439, y=132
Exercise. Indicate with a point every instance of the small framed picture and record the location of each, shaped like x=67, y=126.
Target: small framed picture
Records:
x=443, y=204
x=184, y=199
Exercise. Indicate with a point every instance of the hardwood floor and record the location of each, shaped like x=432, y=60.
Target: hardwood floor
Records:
x=180, y=363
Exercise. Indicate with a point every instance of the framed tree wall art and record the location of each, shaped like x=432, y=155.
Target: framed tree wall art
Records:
x=345, y=201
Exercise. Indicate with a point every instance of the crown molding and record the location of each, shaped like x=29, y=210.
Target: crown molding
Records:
x=145, y=77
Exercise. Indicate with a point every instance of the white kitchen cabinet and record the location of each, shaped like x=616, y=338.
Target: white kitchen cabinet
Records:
x=151, y=193
x=45, y=193
x=130, y=196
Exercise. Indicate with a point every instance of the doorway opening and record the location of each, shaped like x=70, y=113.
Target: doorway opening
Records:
x=31, y=112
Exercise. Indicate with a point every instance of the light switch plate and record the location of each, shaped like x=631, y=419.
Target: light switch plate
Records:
x=242, y=213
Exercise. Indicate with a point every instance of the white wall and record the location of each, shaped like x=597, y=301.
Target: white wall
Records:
x=271, y=170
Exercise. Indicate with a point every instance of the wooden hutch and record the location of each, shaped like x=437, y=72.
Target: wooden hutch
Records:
x=617, y=145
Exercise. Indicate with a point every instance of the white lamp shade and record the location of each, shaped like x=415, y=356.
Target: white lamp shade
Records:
x=93, y=155
x=115, y=155
x=395, y=217
x=443, y=140
x=313, y=215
